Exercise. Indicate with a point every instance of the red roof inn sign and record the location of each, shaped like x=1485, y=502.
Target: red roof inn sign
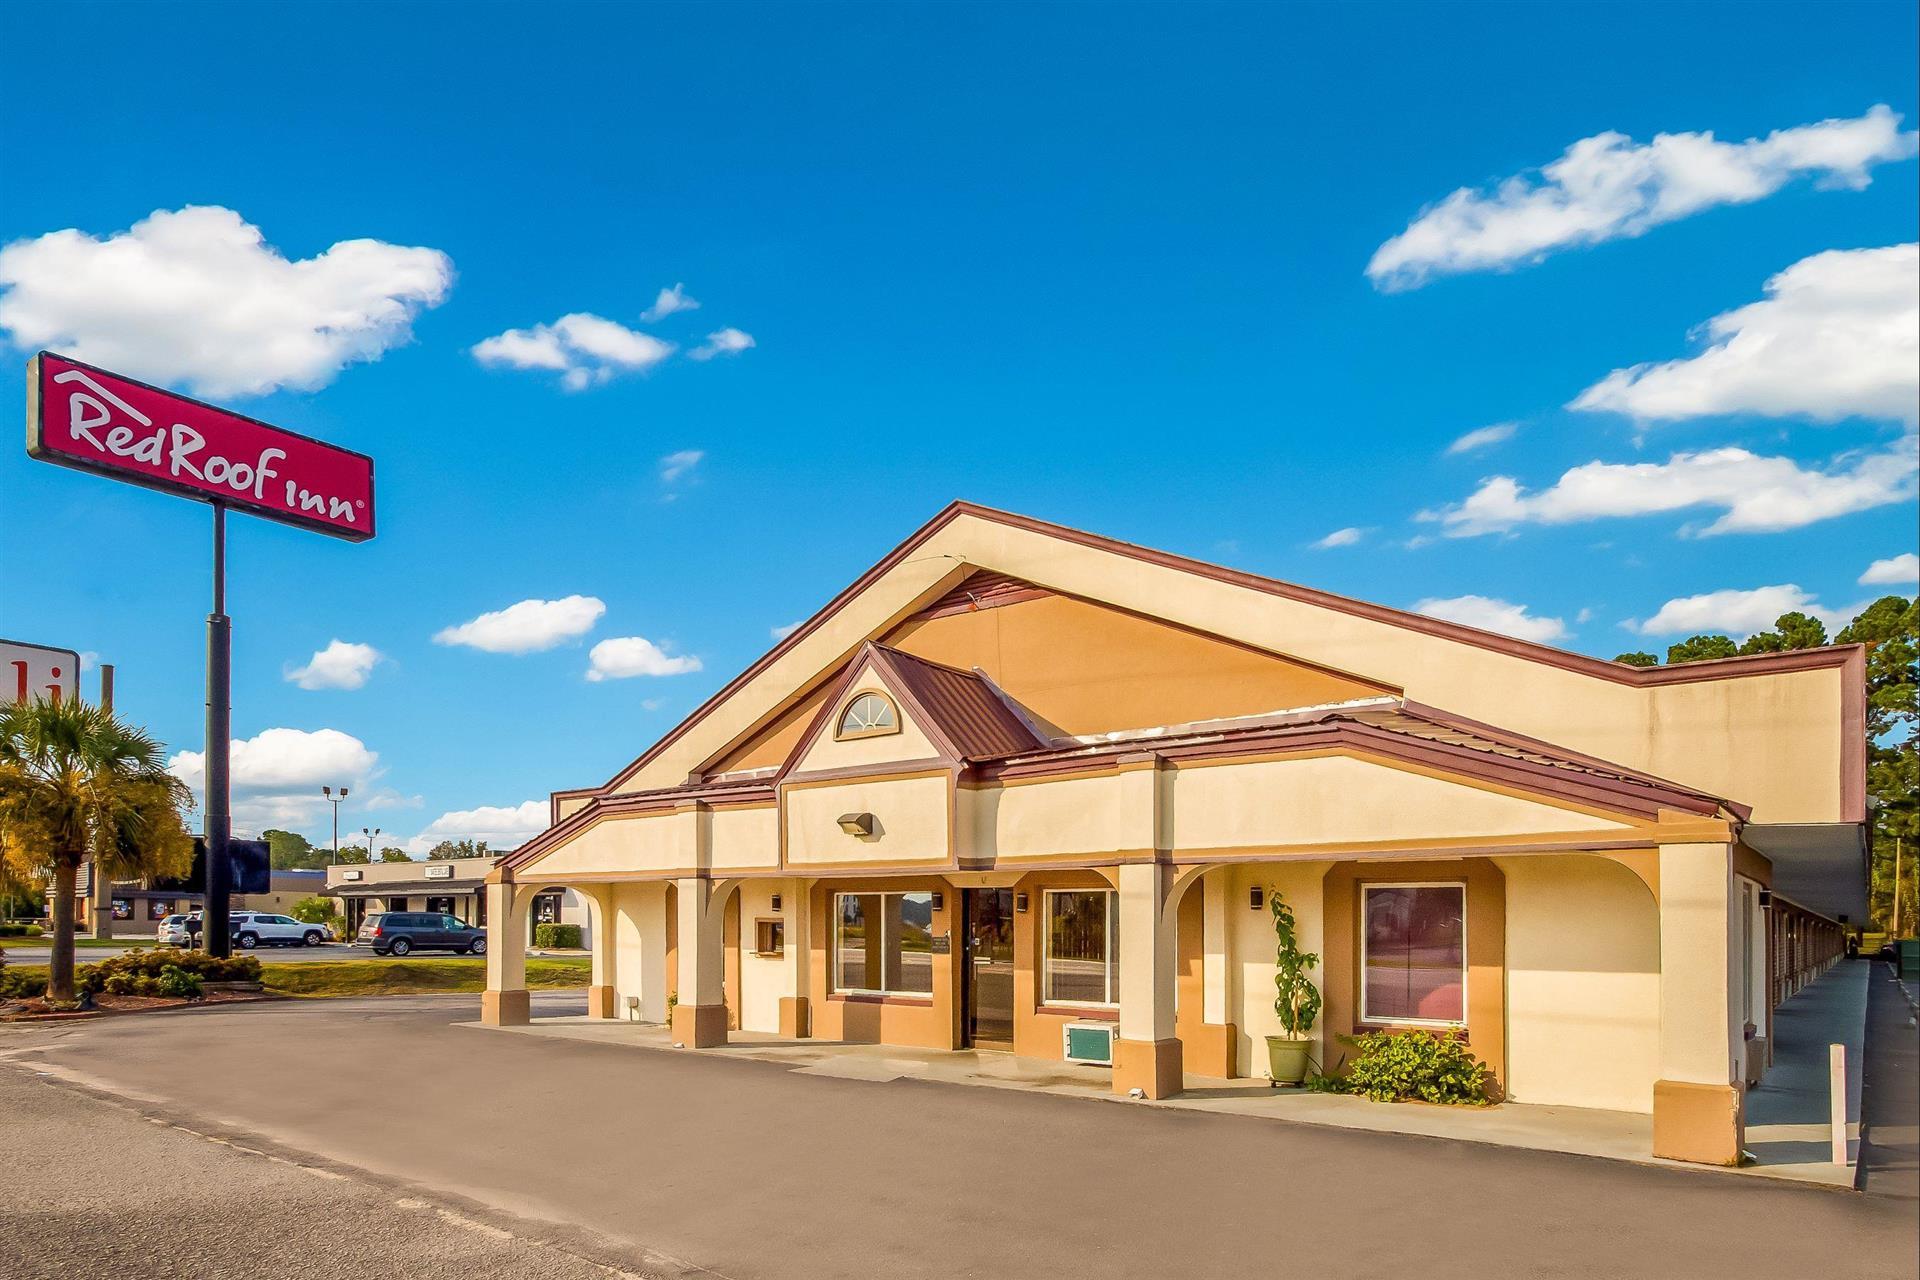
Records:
x=80, y=416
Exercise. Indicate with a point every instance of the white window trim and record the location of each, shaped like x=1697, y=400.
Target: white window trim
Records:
x=1465, y=962
x=835, y=988
x=1046, y=952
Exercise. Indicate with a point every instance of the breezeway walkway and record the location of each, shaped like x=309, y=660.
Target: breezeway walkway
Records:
x=1779, y=1114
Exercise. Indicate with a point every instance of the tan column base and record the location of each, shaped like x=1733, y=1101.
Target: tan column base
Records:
x=795, y=1018
x=600, y=1002
x=505, y=1008
x=1211, y=1049
x=700, y=1026
x=1699, y=1123
x=1152, y=1066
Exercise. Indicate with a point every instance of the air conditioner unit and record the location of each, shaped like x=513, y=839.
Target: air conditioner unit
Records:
x=1089, y=1042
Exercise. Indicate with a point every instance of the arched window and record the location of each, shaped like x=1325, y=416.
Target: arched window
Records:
x=868, y=716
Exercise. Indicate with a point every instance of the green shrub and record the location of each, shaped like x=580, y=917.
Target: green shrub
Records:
x=1405, y=1066
x=175, y=981
x=22, y=984
x=19, y=929
x=314, y=910
x=152, y=963
x=557, y=936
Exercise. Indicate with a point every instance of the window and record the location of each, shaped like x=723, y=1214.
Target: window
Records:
x=1413, y=954
x=883, y=944
x=868, y=716
x=1083, y=947
x=769, y=937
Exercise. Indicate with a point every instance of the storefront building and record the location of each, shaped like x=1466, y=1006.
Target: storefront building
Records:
x=1021, y=787
x=455, y=887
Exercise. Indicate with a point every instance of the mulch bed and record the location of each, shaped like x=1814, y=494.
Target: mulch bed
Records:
x=36, y=1010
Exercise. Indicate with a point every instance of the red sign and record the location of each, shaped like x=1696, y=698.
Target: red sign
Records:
x=80, y=416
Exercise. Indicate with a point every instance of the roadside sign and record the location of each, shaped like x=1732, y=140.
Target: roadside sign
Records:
x=87, y=418
x=29, y=671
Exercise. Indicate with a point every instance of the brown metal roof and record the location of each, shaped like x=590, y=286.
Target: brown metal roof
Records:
x=975, y=719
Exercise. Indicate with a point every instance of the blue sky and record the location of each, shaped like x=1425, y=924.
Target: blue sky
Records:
x=1107, y=266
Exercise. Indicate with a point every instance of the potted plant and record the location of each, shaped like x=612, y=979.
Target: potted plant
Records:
x=1296, y=1000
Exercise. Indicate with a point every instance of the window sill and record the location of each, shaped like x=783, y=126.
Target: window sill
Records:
x=858, y=997
x=1088, y=1013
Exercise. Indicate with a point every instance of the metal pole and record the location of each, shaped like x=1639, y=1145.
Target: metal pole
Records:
x=213, y=918
x=106, y=687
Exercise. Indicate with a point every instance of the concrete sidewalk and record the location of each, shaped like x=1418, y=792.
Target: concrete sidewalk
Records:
x=1786, y=1146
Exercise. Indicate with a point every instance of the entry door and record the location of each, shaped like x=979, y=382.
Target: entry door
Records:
x=988, y=972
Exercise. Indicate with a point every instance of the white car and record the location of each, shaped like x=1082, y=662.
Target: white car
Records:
x=258, y=929
x=173, y=932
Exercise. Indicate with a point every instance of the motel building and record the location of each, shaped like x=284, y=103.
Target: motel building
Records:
x=451, y=886
x=1025, y=788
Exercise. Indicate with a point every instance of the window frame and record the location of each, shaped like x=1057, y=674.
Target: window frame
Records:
x=843, y=734
x=1108, y=960
x=835, y=921
x=1366, y=1018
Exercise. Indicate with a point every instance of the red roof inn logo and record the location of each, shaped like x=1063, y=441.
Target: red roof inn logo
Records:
x=80, y=416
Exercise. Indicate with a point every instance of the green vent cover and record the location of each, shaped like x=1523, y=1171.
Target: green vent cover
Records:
x=1090, y=1044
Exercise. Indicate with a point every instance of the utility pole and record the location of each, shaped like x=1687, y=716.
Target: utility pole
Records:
x=213, y=917
x=1896, y=886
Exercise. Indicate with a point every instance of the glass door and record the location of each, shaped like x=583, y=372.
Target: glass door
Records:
x=987, y=970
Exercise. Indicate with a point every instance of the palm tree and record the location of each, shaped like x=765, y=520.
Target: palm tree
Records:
x=75, y=783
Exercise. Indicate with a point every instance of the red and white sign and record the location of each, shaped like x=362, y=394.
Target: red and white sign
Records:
x=80, y=416
x=30, y=671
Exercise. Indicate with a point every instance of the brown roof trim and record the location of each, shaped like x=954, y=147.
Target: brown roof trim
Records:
x=758, y=790
x=1684, y=673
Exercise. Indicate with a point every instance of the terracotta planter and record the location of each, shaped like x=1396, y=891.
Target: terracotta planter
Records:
x=1287, y=1058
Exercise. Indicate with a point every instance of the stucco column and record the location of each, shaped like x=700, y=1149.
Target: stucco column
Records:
x=700, y=1016
x=796, y=1013
x=1698, y=1101
x=504, y=1003
x=640, y=929
x=605, y=952
x=1147, y=1054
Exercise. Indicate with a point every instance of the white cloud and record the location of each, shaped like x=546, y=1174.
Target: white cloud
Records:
x=1838, y=335
x=276, y=775
x=1607, y=187
x=528, y=626
x=781, y=633
x=501, y=826
x=89, y=660
x=1902, y=570
x=669, y=302
x=338, y=666
x=1737, y=613
x=723, y=342
x=1755, y=493
x=1340, y=538
x=624, y=656
x=197, y=297
x=586, y=350
x=1494, y=615
x=679, y=463
x=1484, y=437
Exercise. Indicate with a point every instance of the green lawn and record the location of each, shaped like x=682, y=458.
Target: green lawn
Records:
x=413, y=976
x=143, y=940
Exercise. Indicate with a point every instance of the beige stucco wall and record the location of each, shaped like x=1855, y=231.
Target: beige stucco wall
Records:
x=764, y=979
x=1772, y=741
x=1250, y=948
x=911, y=815
x=1084, y=815
x=828, y=752
x=1340, y=800
x=640, y=948
x=643, y=842
x=1583, y=983
x=744, y=839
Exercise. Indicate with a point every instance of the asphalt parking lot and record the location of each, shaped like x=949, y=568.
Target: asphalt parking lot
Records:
x=653, y=1162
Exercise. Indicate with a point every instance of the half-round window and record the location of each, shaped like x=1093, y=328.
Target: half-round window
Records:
x=868, y=715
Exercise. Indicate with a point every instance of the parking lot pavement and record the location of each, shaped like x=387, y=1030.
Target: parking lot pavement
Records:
x=752, y=1170
x=91, y=1188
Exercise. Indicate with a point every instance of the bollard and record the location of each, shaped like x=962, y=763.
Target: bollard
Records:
x=1837, y=1099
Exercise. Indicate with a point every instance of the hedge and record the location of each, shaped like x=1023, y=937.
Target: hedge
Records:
x=19, y=929
x=562, y=937
x=123, y=974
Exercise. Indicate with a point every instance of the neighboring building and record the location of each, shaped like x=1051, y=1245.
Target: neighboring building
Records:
x=454, y=886
x=1018, y=778
x=134, y=910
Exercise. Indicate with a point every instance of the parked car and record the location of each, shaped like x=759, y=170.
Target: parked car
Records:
x=257, y=928
x=173, y=932
x=399, y=933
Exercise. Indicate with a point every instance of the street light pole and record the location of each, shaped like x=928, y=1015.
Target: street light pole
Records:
x=371, y=837
x=335, y=802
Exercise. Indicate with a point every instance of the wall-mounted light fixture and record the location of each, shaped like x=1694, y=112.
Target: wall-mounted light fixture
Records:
x=1019, y=902
x=1766, y=899
x=857, y=824
x=939, y=900
x=1257, y=899
x=776, y=902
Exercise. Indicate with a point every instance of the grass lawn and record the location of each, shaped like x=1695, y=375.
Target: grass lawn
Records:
x=145, y=940
x=413, y=976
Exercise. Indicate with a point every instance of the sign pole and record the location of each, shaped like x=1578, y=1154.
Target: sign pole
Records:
x=213, y=919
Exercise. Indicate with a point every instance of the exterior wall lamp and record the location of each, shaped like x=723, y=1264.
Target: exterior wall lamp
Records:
x=857, y=824
x=774, y=904
x=1257, y=898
